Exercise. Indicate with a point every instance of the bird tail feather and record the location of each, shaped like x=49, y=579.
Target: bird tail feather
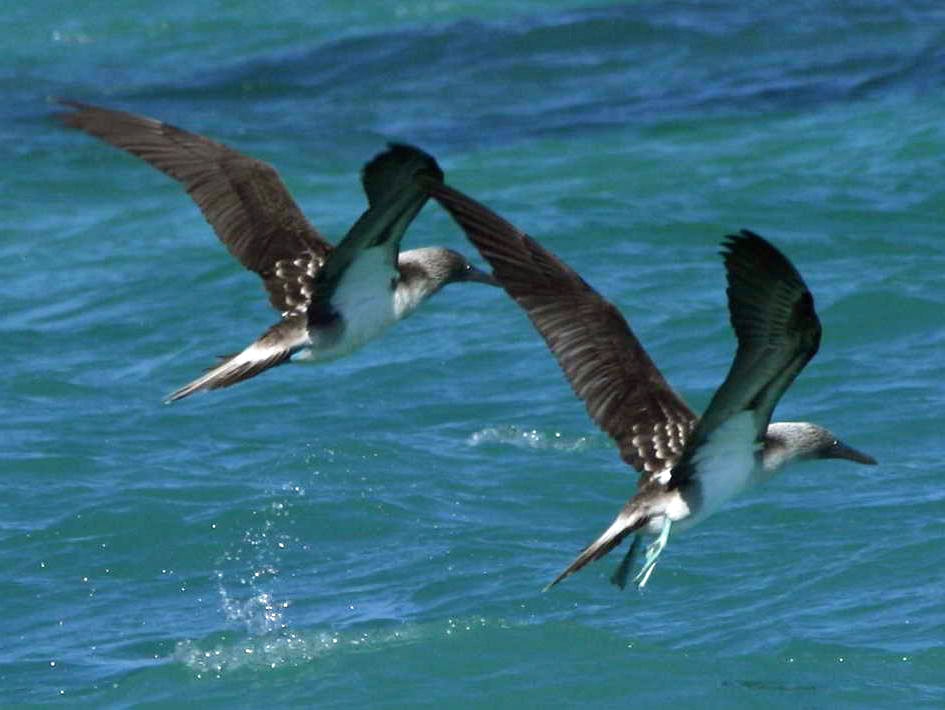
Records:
x=272, y=348
x=235, y=369
x=630, y=519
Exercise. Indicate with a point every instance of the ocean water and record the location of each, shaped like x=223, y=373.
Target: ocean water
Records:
x=376, y=532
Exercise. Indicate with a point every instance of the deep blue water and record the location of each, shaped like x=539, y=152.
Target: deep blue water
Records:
x=376, y=531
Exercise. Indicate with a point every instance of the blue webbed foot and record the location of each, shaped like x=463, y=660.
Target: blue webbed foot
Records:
x=653, y=551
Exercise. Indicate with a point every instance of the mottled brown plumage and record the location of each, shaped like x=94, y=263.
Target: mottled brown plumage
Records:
x=624, y=392
x=243, y=199
x=688, y=466
x=255, y=217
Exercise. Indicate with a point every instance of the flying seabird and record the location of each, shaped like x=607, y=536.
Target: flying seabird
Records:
x=688, y=466
x=332, y=299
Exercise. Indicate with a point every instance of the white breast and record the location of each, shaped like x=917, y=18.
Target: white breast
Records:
x=365, y=301
x=724, y=464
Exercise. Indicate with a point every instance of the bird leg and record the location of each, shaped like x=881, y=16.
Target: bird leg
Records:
x=619, y=577
x=653, y=551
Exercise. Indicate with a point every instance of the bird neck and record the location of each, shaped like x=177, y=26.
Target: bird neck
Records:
x=783, y=444
x=413, y=287
x=423, y=272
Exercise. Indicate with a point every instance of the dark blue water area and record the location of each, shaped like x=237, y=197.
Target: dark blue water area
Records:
x=376, y=531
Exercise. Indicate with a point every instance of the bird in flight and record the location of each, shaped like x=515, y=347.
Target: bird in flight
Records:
x=689, y=466
x=332, y=299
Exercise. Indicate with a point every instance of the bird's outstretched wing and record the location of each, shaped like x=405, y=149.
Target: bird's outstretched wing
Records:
x=395, y=197
x=624, y=392
x=778, y=332
x=242, y=198
x=395, y=200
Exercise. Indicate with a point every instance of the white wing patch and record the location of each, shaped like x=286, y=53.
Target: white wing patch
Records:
x=295, y=278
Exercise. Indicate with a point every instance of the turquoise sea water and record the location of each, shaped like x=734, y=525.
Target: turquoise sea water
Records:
x=375, y=532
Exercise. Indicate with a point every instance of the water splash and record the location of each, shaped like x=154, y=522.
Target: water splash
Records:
x=286, y=648
x=248, y=572
x=528, y=438
x=282, y=649
x=261, y=613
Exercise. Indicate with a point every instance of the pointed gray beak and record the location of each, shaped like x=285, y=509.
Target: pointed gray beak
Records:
x=839, y=450
x=480, y=276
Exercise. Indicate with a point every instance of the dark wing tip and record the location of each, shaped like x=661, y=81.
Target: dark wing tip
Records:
x=70, y=118
x=396, y=165
x=403, y=152
x=753, y=265
x=771, y=309
x=752, y=262
x=749, y=251
x=82, y=112
x=748, y=245
x=71, y=103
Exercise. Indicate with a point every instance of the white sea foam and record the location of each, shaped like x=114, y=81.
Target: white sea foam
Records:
x=288, y=648
x=527, y=438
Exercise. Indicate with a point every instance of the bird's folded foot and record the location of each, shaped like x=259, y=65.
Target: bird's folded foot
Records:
x=653, y=551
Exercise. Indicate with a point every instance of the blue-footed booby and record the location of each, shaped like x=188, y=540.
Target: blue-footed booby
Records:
x=689, y=466
x=332, y=299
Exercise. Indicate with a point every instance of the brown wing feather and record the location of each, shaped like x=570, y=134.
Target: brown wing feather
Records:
x=242, y=198
x=624, y=392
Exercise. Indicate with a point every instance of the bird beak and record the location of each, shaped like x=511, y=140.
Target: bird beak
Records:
x=474, y=274
x=839, y=450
